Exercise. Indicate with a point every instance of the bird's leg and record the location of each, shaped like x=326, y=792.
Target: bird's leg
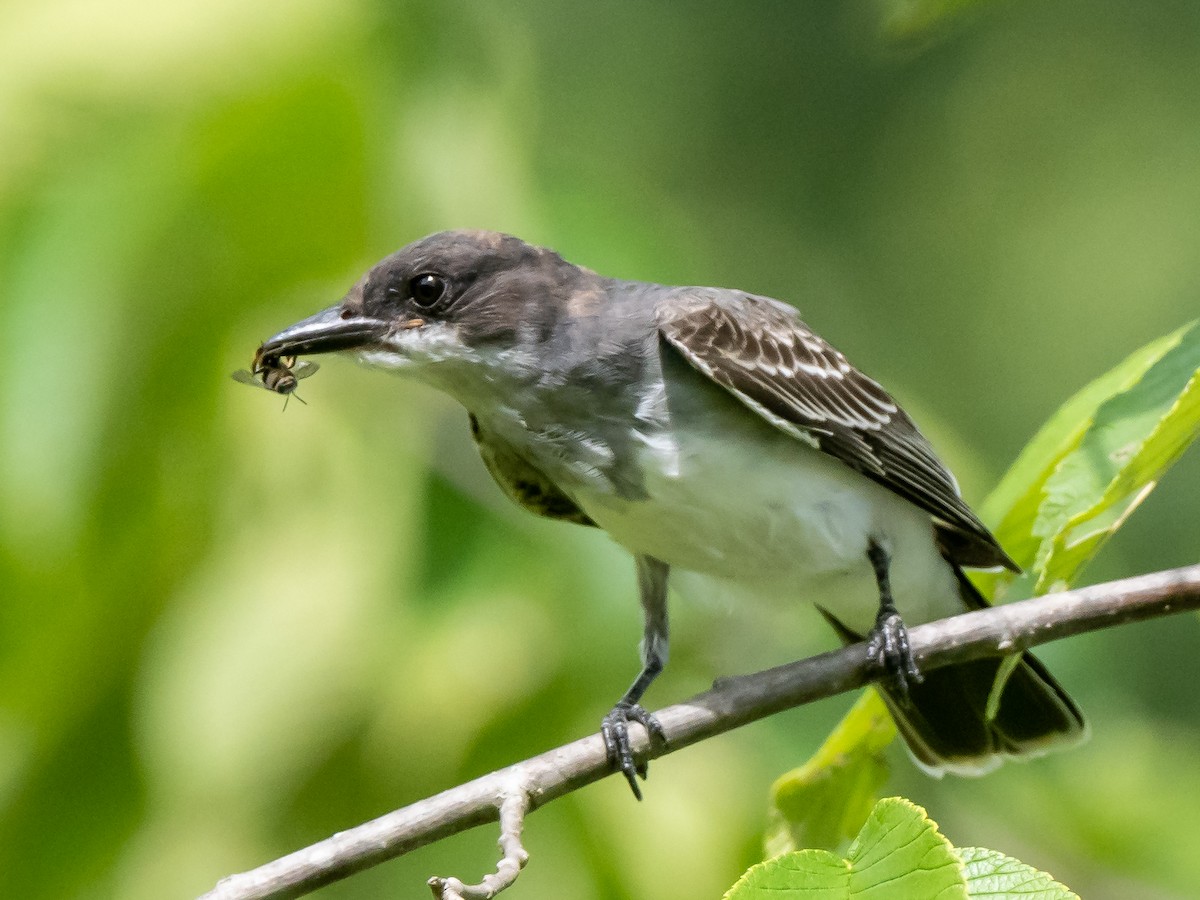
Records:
x=652, y=586
x=888, y=641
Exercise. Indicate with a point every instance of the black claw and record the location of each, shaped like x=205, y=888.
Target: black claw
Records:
x=889, y=649
x=614, y=729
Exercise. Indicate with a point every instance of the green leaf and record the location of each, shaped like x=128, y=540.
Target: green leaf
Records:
x=999, y=877
x=898, y=853
x=901, y=853
x=825, y=802
x=1135, y=436
x=807, y=874
x=1015, y=505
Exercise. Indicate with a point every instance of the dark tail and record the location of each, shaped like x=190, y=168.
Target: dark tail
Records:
x=945, y=720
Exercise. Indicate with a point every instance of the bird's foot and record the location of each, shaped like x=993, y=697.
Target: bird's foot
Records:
x=615, y=730
x=888, y=648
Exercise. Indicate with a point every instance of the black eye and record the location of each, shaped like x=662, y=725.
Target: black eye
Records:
x=427, y=289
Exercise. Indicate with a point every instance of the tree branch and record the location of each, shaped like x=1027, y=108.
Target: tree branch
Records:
x=509, y=793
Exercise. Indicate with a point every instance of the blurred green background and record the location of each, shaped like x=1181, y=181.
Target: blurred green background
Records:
x=226, y=632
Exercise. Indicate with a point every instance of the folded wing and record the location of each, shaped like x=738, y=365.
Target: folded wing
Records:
x=761, y=352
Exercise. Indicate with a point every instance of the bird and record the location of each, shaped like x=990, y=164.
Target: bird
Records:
x=706, y=430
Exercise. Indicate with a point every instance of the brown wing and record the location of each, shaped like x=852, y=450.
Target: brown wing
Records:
x=760, y=351
x=523, y=483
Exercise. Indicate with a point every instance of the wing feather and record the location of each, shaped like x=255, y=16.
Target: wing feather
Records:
x=761, y=352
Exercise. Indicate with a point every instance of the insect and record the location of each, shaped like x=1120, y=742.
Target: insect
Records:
x=276, y=373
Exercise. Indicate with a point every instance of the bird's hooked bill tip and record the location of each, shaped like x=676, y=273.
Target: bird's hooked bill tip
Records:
x=328, y=331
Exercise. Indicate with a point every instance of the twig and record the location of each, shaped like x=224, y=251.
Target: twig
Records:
x=513, y=807
x=731, y=702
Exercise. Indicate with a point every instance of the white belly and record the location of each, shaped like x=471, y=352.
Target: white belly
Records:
x=765, y=511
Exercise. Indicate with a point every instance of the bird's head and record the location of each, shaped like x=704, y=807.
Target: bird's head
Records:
x=446, y=308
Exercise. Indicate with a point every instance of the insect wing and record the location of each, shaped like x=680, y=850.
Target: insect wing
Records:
x=245, y=377
x=303, y=368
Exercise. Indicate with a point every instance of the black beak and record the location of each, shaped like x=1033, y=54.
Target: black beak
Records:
x=326, y=332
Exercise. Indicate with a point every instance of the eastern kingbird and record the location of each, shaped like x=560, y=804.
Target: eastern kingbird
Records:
x=708, y=430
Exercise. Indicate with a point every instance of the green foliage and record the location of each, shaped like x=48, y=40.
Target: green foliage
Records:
x=898, y=854
x=1012, y=505
x=1135, y=436
x=1096, y=460
x=825, y=802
